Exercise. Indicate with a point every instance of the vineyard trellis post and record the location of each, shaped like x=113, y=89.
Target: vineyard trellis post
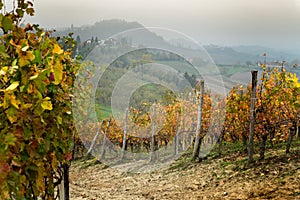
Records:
x=153, y=154
x=124, y=135
x=66, y=181
x=199, y=120
x=252, y=115
x=292, y=130
x=183, y=132
x=104, y=142
x=94, y=141
x=176, y=139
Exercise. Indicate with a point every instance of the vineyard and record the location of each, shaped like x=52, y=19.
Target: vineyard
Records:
x=222, y=120
x=48, y=124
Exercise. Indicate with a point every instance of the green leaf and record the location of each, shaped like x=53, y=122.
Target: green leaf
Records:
x=32, y=172
x=20, y=12
x=38, y=56
x=10, y=139
x=7, y=23
x=30, y=11
x=27, y=132
x=39, y=82
x=11, y=114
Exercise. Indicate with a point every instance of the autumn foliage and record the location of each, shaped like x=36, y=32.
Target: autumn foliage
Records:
x=36, y=78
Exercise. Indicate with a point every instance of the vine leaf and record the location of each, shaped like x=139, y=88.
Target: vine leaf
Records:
x=25, y=57
x=58, y=73
x=10, y=139
x=57, y=49
x=7, y=23
x=46, y=104
x=11, y=114
x=12, y=86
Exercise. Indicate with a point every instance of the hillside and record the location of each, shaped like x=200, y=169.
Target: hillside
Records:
x=273, y=54
x=227, y=177
x=102, y=29
x=108, y=28
x=141, y=36
x=229, y=56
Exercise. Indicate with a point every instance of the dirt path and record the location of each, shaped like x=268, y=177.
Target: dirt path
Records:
x=209, y=180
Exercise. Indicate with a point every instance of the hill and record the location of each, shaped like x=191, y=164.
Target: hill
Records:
x=137, y=34
x=108, y=28
x=102, y=29
x=272, y=54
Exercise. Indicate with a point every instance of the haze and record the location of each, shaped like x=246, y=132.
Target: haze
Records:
x=271, y=23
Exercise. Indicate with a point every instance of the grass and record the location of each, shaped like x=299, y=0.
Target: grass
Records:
x=234, y=156
x=103, y=111
x=229, y=70
x=180, y=66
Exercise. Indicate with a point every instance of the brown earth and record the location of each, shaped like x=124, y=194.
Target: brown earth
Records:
x=222, y=178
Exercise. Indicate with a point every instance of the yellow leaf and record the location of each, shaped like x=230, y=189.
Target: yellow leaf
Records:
x=46, y=105
x=3, y=71
x=59, y=119
x=57, y=49
x=69, y=112
x=46, y=98
x=13, y=86
x=15, y=103
x=25, y=58
x=27, y=105
x=294, y=79
x=12, y=42
x=58, y=73
x=34, y=77
x=25, y=48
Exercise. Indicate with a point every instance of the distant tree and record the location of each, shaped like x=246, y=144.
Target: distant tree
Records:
x=249, y=63
x=191, y=79
x=78, y=40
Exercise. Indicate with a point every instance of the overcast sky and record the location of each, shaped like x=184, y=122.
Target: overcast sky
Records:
x=273, y=23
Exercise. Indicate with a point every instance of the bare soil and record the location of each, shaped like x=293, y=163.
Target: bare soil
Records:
x=228, y=177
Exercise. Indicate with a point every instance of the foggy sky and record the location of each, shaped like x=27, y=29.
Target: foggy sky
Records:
x=272, y=23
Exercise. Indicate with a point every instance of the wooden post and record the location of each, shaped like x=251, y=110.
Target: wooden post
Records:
x=94, y=141
x=191, y=133
x=124, y=135
x=183, y=133
x=176, y=139
x=153, y=155
x=61, y=188
x=104, y=142
x=66, y=181
x=252, y=116
x=297, y=132
x=199, y=120
x=292, y=130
